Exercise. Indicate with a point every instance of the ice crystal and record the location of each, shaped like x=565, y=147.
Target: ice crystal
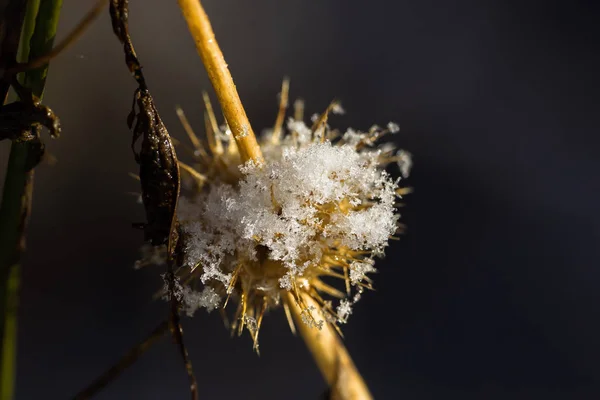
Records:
x=343, y=311
x=359, y=270
x=338, y=109
x=393, y=127
x=151, y=255
x=404, y=162
x=193, y=300
x=190, y=299
x=251, y=324
x=309, y=319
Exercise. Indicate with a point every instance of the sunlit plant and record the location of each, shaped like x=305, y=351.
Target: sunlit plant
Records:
x=295, y=218
x=267, y=222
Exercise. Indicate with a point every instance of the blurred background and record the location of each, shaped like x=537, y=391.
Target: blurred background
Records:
x=491, y=294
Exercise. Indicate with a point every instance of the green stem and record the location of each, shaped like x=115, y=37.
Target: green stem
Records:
x=37, y=37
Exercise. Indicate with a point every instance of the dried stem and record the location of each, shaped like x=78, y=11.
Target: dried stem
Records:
x=127, y=360
x=220, y=77
x=177, y=332
x=159, y=173
x=329, y=352
x=283, y=104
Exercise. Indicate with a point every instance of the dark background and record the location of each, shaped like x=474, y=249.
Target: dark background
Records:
x=491, y=294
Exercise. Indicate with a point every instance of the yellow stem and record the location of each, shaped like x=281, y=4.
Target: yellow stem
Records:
x=329, y=352
x=220, y=77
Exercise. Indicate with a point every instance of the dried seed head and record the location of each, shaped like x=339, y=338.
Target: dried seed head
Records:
x=320, y=206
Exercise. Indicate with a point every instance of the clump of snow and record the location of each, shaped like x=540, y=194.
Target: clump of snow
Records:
x=316, y=193
x=359, y=269
x=298, y=206
x=193, y=300
x=190, y=299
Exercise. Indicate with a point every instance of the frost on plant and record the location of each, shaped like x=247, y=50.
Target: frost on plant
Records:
x=320, y=207
x=191, y=300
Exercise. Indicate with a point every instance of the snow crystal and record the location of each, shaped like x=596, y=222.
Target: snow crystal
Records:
x=358, y=270
x=338, y=109
x=393, y=127
x=190, y=299
x=404, y=162
x=343, y=311
x=151, y=255
x=193, y=300
x=308, y=318
x=251, y=324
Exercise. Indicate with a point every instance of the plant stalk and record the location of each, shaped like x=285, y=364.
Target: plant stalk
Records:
x=330, y=354
x=37, y=37
x=220, y=77
x=124, y=362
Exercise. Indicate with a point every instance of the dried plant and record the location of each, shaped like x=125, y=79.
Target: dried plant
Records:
x=260, y=222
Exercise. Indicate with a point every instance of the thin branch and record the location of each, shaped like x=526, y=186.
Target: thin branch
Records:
x=177, y=331
x=220, y=77
x=329, y=352
x=71, y=38
x=126, y=361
